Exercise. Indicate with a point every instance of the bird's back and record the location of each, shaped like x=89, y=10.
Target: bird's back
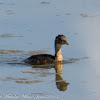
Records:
x=40, y=59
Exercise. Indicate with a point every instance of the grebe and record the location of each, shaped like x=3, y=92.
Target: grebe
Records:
x=46, y=58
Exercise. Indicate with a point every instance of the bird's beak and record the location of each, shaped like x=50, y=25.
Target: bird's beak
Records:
x=66, y=43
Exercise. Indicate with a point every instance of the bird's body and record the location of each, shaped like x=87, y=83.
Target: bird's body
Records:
x=40, y=59
x=46, y=58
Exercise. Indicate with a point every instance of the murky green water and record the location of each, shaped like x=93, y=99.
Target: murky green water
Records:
x=29, y=27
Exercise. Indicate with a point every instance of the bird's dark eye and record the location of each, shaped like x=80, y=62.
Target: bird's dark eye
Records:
x=62, y=41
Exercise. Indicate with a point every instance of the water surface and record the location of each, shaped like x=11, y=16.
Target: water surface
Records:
x=30, y=27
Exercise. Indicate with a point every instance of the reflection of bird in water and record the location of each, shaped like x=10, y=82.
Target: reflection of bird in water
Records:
x=46, y=58
x=60, y=83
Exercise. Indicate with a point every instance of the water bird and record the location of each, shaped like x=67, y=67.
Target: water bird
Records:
x=41, y=59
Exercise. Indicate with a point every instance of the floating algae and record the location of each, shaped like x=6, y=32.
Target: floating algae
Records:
x=84, y=15
x=28, y=82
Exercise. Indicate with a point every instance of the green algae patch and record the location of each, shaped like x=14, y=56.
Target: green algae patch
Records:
x=15, y=51
x=38, y=93
x=10, y=51
x=28, y=82
x=10, y=12
x=11, y=78
x=8, y=35
x=19, y=80
x=77, y=59
x=84, y=15
x=37, y=52
x=39, y=73
x=2, y=51
x=68, y=14
x=44, y=2
x=30, y=72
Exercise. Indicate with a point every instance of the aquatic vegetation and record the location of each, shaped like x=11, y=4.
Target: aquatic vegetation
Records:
x=10, y=12
x=37, y=52
x=5, y=35
x=19, y=80
x=68, y=14
x=44, y=2
x=84, y=15
x=28, y=82
x=15, y=51
x=2, y=51
x=8, y=35
x=30, y=72
x=77, y=59
x=39, y=72
x=11, y=78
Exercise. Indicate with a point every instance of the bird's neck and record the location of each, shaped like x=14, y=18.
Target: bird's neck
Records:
x=58, y=55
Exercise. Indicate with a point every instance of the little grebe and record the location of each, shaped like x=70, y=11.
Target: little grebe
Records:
x=46, y=58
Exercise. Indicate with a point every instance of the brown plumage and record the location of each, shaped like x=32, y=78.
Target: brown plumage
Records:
x=46, y=58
